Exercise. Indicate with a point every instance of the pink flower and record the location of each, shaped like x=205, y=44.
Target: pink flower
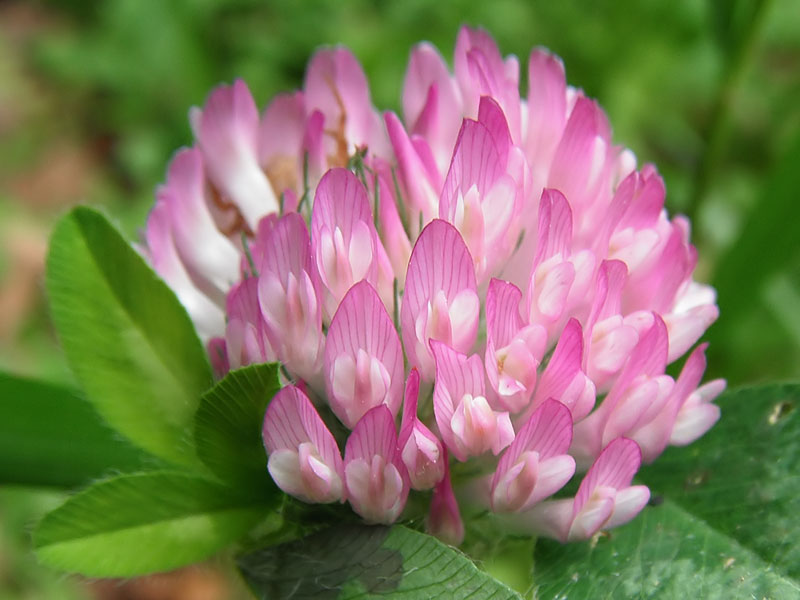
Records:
x=496, y=253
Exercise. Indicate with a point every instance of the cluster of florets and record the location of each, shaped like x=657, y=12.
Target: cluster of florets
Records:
x=490, y=272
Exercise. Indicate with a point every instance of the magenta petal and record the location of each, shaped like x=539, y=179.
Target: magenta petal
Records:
x=363, y=357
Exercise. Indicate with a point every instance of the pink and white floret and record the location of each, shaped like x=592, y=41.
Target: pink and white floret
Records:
x=484, y=293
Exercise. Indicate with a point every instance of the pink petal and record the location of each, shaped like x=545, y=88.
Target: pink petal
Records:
x=547, y=108
x=207, y=317
x=611, y=278
x=291, y=421
x=289, y=298
x=595, y=513
x=440, y=263
x=563, y=378
x=628, y=503
x=391, y=231
x=423, y=194
x=466, y=422
x=280, y=142
x=697, y=414
x=343, y=235
x=655, y=434
x=503, y=319
x=480, y=71
x=282, y=127
x=658, y=287
x=361, y=323
x=456, y=375
x=227, y=132
x=336, y=85
x=693, y=423
x=479, y=159
x=575, y=169
x=421, y=450
x=551, y=518
x=377, y=482
x=614, y=468
x=513, y=353
x=555, y=226
x=432, y=101
x=694, y=311
x=444, y=519
x=211, y=260
x=547, y=434
x=647, y=202
x=246, y=333
x=218, y=355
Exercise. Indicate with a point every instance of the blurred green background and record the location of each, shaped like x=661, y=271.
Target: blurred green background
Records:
x=94, y=99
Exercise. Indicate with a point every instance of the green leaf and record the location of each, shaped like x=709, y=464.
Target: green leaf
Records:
x=360, y=561
x=665, y=552
x=228, y=425
x=143, y=523
x=743, y=476
x=49, y=435
x=728, y=526
x=126, y=336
